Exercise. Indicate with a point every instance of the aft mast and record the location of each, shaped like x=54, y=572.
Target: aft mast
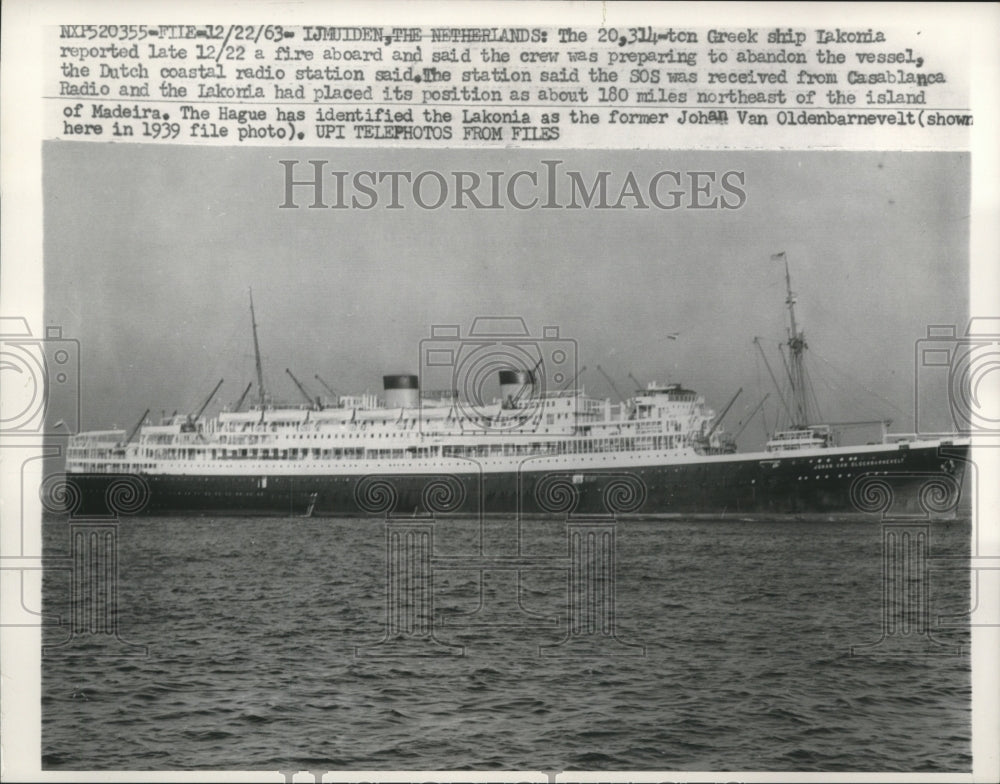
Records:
x=796, y=351
x=802, y=434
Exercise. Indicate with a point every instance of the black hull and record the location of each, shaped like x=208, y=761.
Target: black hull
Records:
x=924, y=482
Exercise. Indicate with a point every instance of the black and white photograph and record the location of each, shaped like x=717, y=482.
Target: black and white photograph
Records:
x=430, y=461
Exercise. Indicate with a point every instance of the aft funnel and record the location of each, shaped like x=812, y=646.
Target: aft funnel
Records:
x=515, y=387
x=401, y=391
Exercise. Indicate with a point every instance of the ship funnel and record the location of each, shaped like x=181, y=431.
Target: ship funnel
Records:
x=401, y=391
x=515, y=386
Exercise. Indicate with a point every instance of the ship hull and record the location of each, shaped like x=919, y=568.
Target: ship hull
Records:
x=892, y=480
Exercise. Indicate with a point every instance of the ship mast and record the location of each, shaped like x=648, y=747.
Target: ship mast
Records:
x=256, y=355
x=796, y=349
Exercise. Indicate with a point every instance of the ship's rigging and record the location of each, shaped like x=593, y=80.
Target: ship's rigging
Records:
x=802, y=417
x=256, y=356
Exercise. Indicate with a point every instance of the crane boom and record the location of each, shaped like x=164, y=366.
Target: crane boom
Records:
x=638, y=384
x=572, y=381
x=327, y=386
x=752, y=414
x=207, y=401
x=136, y=428
x=621, y=397
x=720, y=417
x=303, y=390
x=243, y=397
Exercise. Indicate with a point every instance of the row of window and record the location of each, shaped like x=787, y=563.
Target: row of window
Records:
x=493, y=449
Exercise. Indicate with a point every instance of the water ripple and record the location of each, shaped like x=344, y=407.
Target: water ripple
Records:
x=252, y=626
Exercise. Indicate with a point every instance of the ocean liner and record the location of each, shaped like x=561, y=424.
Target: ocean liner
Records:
x=534, y=449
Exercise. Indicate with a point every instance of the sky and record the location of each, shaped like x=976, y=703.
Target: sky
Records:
x=150, y=252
